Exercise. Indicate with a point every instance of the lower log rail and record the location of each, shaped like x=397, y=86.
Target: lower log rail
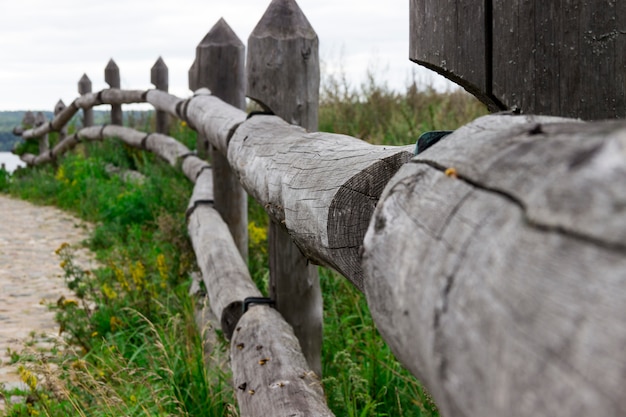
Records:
x=495, y=268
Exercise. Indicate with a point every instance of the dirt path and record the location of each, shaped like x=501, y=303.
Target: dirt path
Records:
x=30, y=273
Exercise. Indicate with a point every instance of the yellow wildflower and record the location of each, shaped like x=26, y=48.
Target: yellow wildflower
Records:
x=69, y=302
x=138, y=273
x=183, y=123
x=60, y=248
x=258, y=236
x=114, y=322
x=109, y=292
x=28, y=378
x=121, y=278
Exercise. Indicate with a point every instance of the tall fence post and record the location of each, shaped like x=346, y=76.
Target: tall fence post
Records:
x=112, y=77
x=84, y=87
x=222, y=59
x=283, y=75
x=58, y=108
x=44, y=144
x=195, y=70
x=159, y=76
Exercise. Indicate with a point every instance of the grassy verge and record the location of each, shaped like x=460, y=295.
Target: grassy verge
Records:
x=132, y=345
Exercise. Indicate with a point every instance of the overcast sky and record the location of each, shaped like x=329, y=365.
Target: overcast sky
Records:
x=47, y=45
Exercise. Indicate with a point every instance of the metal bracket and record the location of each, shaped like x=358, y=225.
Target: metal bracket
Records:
x=257, y=300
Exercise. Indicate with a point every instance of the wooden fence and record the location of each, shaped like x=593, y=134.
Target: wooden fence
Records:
x=494, y=262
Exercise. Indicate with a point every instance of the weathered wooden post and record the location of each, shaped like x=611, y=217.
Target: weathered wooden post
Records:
x=541, y=57
x=221, y=55
x=28, y=120
x=84, y=87
x=159, y=76
x=197, y=67
x=44, y=144
x=283, y=76
x=60, y=106
x=112, y=77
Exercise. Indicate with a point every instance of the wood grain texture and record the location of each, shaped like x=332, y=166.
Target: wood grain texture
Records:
x=270, y=373
x=502, y=284
x=563, y=57
x=213, y=119
x=560, y=58
x=449, y=37
x=283, y=62
x=306, y=182
x=224, y=272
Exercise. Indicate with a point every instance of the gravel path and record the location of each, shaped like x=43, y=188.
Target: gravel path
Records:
x=30, y=275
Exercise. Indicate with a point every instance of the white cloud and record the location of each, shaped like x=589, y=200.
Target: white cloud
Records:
x=45, y=47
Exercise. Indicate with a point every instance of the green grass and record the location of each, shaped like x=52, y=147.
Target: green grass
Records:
x=133, y=347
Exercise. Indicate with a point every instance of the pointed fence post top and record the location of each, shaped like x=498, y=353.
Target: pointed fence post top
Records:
x=112, y=74
x=221, y=34
x=284, y=19
x=283, y=73
x=84, y=85
x=59, y=107
x=28, y=119
x=159, y=75
x=40, y=119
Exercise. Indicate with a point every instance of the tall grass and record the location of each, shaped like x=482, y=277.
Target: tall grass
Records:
x=132, y=345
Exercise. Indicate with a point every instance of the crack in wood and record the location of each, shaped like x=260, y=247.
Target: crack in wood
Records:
x=533, y=223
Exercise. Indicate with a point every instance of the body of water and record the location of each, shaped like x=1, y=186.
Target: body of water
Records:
x=11, y=161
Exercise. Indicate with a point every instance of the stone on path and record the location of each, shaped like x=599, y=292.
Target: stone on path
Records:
x=30, y=275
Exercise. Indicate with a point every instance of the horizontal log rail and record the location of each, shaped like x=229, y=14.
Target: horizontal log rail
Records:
x=494, y=262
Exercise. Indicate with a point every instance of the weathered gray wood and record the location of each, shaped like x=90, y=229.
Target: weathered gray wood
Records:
x=283, y=75
x=224, y=272
x=198, y=79
x=193, y=75
x=192, y=166
x=560, y=58
x=58, y=109
x=450, y=37
x=310, y=184
x=164, y=102
x=159, y=76
x=212, y=119
x=270, y=373
x=87, y=101
x=167, y=148
x=84, y=87
x=112, y=78
x=28, y=121
x=496, y=268
x=285, y=43
x=225, y=56
x=40, y=121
